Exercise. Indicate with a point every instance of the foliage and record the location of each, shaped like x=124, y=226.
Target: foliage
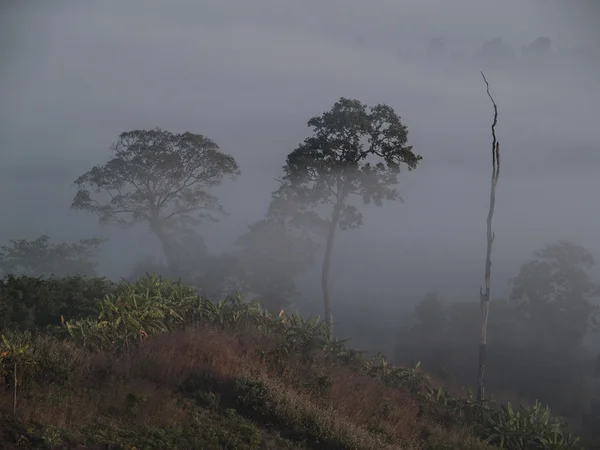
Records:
x=497, y=52
x=16, y=354
x=520, y=364
x=538, y=351
x=34, y=303
x=133, y=314
x=41, y=257
x=334, y=163
x=160, y=178
x=556, y=293
x=530, y=428
x=269, y=255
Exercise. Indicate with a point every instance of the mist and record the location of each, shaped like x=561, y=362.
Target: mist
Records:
x=77, y=74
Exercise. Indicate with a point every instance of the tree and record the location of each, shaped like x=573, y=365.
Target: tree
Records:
x=17, y=354
x=41, y=257
x=497, y=52
x=430, y=315
x=355, y=151
x=269, y=255
x=160, y=178
x=537, y=50
x=556, y=293
x=484, y=294
x=190, y=251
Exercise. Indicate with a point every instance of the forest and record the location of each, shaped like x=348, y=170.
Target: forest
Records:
x=205, y=350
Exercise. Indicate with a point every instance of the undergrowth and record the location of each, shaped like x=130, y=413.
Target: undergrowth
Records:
x=152, y=365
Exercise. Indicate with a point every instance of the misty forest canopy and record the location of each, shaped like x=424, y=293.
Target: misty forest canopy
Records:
x=355, y=151
x=538, y=349
x=159, y=178
x=41, y=257
x=555, y=292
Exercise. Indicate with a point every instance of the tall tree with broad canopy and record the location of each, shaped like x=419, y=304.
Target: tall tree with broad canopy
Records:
x=557, y=296
x=157, y=177
x=355, y=151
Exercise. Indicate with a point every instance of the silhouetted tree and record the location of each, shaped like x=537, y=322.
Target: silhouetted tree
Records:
x=189, y=249
x=355, y=151
x=537, y=50
x=41, y=257
x=270, y=254
x=557, y=295
x=159, y=178
x=430, y=314
x=496, y=52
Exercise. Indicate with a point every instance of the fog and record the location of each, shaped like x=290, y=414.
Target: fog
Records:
x=250, y=74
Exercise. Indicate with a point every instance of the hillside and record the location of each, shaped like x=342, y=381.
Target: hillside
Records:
x=151, y=365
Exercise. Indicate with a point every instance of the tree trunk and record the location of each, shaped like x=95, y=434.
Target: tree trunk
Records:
x=335, y=218
x=15, y=387
x=484, y=294
x=167, y=246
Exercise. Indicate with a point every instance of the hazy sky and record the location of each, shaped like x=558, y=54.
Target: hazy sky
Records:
x=249, y=75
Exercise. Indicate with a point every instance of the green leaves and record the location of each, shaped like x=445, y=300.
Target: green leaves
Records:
x=355, y=150
x=528, y=428
x=13, y=349
x=556, y=293
x=134, y=312
x=41, y=257
x=35, y=303
x=155, y=174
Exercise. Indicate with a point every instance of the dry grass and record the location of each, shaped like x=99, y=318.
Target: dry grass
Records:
x=145, y=389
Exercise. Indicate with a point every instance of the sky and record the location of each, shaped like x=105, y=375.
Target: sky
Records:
x=250, y=74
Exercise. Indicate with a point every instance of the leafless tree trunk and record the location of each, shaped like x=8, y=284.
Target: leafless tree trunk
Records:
x=484, y=293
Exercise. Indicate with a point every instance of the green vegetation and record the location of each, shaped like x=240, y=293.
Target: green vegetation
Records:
x=41, y=257
x=153, y=365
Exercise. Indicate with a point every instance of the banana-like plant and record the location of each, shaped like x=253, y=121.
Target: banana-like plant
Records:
x=152, y=305
x=17, y=354
x=528, y=428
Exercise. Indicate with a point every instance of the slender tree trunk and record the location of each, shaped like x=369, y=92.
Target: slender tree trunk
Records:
x=333, y=225
x=484, y=293
x=15, y=387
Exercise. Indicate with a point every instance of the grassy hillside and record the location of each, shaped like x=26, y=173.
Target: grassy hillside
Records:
x=151, y=365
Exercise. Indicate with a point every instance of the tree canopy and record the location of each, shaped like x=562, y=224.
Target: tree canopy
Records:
x=556, y=292
x=158, y=177
x=355, y=150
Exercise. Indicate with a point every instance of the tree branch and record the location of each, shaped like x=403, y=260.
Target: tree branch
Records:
x=495, y=144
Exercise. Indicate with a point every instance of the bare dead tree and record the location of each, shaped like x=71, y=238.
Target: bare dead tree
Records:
x=484, y=293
